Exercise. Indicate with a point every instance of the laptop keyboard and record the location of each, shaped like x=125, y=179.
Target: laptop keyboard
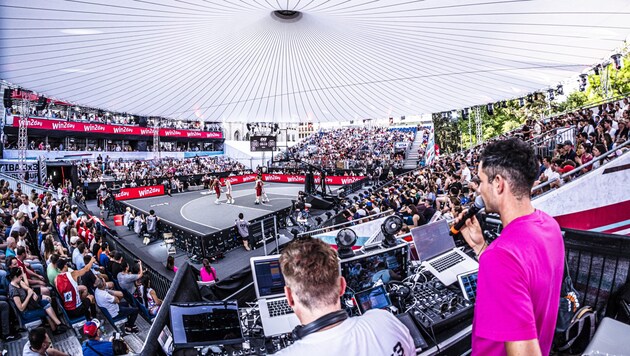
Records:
x=445, y=262
x=279, y=307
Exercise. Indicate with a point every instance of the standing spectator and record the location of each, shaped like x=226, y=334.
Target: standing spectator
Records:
x=77, y=302
x=243, y=230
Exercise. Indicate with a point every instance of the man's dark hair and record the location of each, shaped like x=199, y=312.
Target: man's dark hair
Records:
x=151, y=212
x=54, y=258
x=515, y=161
x=81, y=247
x=37, y=337
x=240, y=215
x=20, y=250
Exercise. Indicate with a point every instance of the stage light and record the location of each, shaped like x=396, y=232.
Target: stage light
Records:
x=390, y=227
x=276, y=127
x=597, y=69
x=521, y=102
x=504, y=104
x=617, y=61
x=530, y=98
x=249, y=127
x=550, y=93
x=345, y=239
x=559, y=89
x=318, y=220
x=465, y=114
x=490, y=109
x=583, y=81
x=329, y=215
x=295, y=233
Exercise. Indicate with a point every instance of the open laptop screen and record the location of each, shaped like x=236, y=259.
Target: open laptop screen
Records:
x=364, y=271
x=205, y=323
x=269, y=278
x=432, y=240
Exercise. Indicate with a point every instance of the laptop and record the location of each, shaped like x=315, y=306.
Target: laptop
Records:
x=438, y=254
x=276, y=314
x=373, y=298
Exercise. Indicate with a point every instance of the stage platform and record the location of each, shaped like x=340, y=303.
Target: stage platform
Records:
x=196, y=210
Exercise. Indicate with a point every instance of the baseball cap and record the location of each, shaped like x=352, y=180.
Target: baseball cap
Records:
x=567, y=168
x=90, y=328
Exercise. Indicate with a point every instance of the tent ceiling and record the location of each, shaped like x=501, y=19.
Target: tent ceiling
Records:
x=232, y=60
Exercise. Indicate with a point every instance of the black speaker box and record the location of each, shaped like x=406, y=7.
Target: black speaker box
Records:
x=8, y=102
x=42, y=102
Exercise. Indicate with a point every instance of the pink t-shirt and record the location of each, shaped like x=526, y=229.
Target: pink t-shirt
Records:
x=207, y=277
x=518, y=290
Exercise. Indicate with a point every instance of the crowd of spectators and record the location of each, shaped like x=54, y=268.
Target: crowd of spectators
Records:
x=450, y=182
x=368, y=148
x=62, y=112
x=49, y=247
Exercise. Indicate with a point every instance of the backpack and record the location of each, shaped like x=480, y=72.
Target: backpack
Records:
x=578, y=334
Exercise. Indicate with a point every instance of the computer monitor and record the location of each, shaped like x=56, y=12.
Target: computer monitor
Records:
x=205, y=323
x=364, y=271
x=268, y=278
x=373, y=298
x=432, y=239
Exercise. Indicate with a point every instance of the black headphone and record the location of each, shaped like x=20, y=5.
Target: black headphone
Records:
x=301, y=331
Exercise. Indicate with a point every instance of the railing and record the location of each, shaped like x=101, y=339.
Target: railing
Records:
x=26, y=186
x=579, y=169
x=346, y=224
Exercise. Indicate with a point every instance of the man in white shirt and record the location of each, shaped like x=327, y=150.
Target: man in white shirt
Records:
x=114, y=302
x=28, y=208
x=313, y=288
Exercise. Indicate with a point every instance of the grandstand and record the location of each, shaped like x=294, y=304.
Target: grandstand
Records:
x=140, y=145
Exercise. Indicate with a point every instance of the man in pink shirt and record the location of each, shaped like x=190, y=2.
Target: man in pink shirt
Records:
x=520, y=273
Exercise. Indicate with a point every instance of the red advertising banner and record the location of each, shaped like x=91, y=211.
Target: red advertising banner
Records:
x=72, y=126
x=289, y=178
x=140, y=192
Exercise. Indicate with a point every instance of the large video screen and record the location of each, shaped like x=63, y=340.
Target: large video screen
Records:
x=262, y=143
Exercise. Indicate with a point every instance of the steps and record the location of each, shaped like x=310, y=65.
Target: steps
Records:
x=413, y=157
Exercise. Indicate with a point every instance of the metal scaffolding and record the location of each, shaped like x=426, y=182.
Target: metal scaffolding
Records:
x=23, y=132
x=478, y=128
x=156, y=137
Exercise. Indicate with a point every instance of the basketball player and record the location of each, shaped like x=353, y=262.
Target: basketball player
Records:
x=258, y=186
x=228, y=191
x=216, y=184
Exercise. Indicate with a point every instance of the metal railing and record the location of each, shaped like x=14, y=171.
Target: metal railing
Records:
x=26, y=186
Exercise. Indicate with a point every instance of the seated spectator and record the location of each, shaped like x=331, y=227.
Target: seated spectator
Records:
x=40, y=344
x=147, y=296
x=76, y=301
x=35, y=281
x=52, y=271
x=94, y=346
x=114, y=302
x=207, y=272
x=77, y=255
x=128, y=280
x=30, y=304
x=33, y=268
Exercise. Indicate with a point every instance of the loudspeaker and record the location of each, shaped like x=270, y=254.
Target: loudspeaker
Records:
x=142, y=146
x=319, y=202
x=8, y=102
x=142, y=121
x=42, y=102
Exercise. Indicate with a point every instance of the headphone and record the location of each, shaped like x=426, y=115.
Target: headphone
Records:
x=301, y=331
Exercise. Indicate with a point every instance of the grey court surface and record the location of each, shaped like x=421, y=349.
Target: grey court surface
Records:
x=198, y=212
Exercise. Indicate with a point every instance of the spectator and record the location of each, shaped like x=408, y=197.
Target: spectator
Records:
x=76, y=301
x=207, y=272
x=114, y=302
x=94, y=346
x=40, y=344
x=170, y=264
x=126, y=279
x=147, y=296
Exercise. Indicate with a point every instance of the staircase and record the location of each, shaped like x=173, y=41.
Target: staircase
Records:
x=411, y=162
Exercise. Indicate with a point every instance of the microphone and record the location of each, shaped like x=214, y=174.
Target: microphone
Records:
x=474, y=209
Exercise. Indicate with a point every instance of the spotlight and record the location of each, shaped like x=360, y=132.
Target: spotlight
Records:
x=295, y=233
x=318, y=220
x=276, y=127
x=346, y=238
x=617, y=61
x=249, y=127
x=390, y=228
x=504, y=104
x=550, y=92
x=465, y=114
x=559, y=89
x=521, y=102
x=597, y=69
x=582, y=82
x=490, y=109
x=329, y=215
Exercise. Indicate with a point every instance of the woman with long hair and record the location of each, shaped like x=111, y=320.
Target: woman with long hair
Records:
x=208, y=273
x=598, y=150
x=148, y=297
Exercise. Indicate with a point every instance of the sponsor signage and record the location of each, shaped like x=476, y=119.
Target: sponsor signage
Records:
x=58, y=125
x=262, y=143
x=290, y=178
x=140, y=192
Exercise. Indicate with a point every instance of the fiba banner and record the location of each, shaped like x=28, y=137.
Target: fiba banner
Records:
x=290, y=178
x=139, y=192
x=72, y=126
x=262, y=143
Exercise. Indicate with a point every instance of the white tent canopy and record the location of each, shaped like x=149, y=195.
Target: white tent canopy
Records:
x=339, y=60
